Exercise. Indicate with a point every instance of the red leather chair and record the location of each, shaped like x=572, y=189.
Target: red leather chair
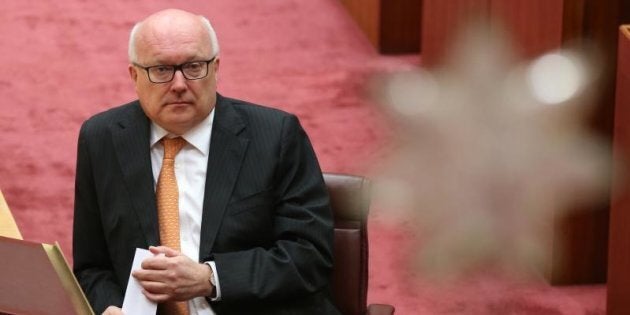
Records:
x=350, y=201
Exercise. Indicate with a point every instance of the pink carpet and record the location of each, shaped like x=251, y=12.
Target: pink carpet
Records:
x=66, y=60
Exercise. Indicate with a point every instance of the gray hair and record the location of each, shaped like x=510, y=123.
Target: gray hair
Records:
x=133, y=57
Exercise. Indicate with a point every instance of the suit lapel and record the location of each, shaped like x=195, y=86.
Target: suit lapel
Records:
x=131, y=143
x=227, y=150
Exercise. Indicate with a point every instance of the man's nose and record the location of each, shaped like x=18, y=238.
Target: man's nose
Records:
x=179, y=81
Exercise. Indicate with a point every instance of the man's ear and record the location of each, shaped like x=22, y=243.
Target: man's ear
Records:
x=216, y=68
x=133, y=73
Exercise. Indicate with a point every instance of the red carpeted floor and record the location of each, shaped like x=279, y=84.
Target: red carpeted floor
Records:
x=66, y=60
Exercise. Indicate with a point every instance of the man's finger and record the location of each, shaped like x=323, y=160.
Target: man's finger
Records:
x=155, y=287
x=167, y=251
x=156, y=297
x=154, y=263
x=113, y=310
x=150, y=275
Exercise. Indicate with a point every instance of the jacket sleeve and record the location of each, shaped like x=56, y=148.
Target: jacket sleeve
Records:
x=299, y=261
x=92, y=265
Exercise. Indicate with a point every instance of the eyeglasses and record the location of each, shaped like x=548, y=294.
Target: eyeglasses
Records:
x=193, y=70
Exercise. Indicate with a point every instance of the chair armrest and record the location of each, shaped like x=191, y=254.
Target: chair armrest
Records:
x=380, y=309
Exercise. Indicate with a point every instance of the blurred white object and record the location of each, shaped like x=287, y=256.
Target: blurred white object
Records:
x=479, y=164
x=556, y=78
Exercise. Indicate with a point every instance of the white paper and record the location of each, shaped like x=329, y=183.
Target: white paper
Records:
x=135, y=302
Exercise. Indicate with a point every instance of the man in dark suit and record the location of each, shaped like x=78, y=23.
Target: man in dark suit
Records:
x=254, y=221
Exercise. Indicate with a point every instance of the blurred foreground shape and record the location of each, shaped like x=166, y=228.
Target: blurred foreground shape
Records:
x=489, y=150
x=538, y=26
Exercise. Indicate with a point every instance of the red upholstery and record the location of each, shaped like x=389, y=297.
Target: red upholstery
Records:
x=350, y=200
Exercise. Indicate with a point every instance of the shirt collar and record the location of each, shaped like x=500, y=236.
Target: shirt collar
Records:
x=198, y=136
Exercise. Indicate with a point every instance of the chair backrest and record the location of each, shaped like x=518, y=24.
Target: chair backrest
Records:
x=349, y=200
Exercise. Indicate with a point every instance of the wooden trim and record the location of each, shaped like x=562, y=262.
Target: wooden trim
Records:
x=619, y=239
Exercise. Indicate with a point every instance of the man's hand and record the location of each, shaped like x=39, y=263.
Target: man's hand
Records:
x=173, y=276
x=113, y=310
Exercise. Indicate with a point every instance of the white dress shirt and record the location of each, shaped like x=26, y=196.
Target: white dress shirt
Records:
x=190, y=170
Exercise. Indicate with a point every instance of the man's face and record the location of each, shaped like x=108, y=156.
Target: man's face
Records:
x=180, y=104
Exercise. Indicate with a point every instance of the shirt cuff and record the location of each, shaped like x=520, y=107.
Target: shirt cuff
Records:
x=217, y=287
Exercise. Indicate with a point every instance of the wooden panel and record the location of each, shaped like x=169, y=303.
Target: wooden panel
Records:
x=580, y=252
x=534, y=25
x=400, y=26
x=367, y=14
x=441, y=20
x=588, y=239
x=601, y=23
x=537, y=26
x=392, y=26
x=573, y=21
x=619, y=245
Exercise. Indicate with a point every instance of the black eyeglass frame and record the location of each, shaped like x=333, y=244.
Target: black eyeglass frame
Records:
x=179, y=67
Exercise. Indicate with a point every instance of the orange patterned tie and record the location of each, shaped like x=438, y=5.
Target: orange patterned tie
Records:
x=168, y=210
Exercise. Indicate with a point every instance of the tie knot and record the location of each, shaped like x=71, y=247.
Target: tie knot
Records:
x=172, y=146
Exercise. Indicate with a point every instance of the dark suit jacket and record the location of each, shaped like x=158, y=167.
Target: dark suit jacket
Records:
x=266, y=219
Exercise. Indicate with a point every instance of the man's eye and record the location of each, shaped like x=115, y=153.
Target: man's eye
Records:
x=162, y=69
x=195, y=66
